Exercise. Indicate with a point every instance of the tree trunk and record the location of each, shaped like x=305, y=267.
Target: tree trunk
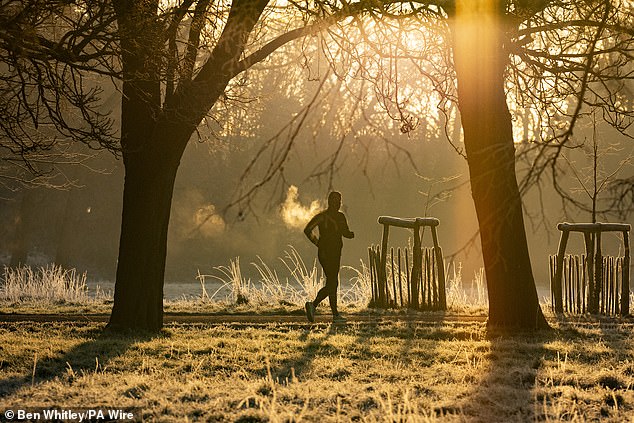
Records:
x=19, y=244
x=147, y=197
x=488, y=136
x=153, y=138
x=67, y=225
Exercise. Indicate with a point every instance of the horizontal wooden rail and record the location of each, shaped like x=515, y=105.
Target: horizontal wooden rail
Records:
x=411, y=222
x=594, y=227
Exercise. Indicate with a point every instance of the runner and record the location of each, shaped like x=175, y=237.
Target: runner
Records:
x=332, y=226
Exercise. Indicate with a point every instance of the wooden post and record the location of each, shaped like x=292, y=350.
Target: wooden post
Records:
x=377, y=275
x=589, y=239
x=440, y=264
x=372, y=278
x=598, y=272
x=551, y=268
x=573, y=262
x=417, y=262
x=568, y=282
x=619, y=284
x=556, y=283
x=382, y=267
x=428, y=275
x=409, y=290
x=393, y=276
x=423, y=276
x=371, y=274
x=610, y=277
x=584, y=279
x=400, y=277
x=614, y=282
x=604, y=275
x=577, y=284
x=432, y=278
x=625, y=284
x=376, y=254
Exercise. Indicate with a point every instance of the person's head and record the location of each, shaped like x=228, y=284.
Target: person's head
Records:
x=334, y=200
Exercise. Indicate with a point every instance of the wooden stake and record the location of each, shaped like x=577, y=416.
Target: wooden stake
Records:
x=400, y=282
x=559, y=308
x=625, y=284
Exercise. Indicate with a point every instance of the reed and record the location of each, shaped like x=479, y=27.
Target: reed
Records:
x=50, y=283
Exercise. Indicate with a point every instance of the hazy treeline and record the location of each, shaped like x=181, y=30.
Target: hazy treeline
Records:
x=382, y=172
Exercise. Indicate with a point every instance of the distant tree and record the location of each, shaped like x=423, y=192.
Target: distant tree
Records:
x=594, y=180
x=47, y=101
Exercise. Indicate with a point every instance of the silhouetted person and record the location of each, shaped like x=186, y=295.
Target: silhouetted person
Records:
x=332, y=226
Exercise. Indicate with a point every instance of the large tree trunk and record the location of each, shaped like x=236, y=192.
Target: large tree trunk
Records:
x=153, y=138
x=147, y=198
x=480, y=62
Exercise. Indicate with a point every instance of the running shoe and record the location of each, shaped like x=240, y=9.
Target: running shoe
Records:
x=310, y=311
x=339, y=319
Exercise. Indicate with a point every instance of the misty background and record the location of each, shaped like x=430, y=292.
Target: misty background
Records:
x=364, y=155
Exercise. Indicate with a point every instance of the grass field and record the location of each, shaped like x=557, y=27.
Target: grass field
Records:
x=441, y=367
x=395, y=371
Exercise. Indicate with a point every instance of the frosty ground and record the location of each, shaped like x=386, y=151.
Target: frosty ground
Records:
x=372, y=370
x=262, y=361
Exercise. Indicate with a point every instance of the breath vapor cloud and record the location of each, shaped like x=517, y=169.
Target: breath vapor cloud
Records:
x=294, y=214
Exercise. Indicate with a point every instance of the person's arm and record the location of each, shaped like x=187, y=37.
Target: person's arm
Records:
x=308, y=230
x=345, y=231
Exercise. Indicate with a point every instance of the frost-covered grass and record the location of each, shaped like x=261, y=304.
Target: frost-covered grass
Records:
x=283, y=287
x=298, y=282
x=291, y=285
x=47, y=284
x=375, y=372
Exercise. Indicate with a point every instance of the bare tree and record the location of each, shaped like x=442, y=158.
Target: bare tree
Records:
x=519, y=71
x=178, y=64
x=47, y=102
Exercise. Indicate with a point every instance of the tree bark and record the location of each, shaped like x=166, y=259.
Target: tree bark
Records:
x=480, y=62
x=147, y=197
x=151, y=155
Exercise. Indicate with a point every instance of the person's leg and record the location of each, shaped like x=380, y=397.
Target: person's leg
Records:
x=329, y=261
x=332, y=282
x=323, y=292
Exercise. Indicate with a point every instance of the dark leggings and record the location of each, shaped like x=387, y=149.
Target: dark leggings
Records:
x=330, y=259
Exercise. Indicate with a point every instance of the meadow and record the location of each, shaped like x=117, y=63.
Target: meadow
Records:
x=371, y=371
x=392, y=366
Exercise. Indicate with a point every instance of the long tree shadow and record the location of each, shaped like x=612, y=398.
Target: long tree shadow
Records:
x=93, y=354
x=506, y=390
x=315, y=337
x=607, y=350
x=538, y=375
x=366, y=346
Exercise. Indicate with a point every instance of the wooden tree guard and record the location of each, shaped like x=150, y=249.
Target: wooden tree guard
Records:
x=431, y=290
x=591, y=267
